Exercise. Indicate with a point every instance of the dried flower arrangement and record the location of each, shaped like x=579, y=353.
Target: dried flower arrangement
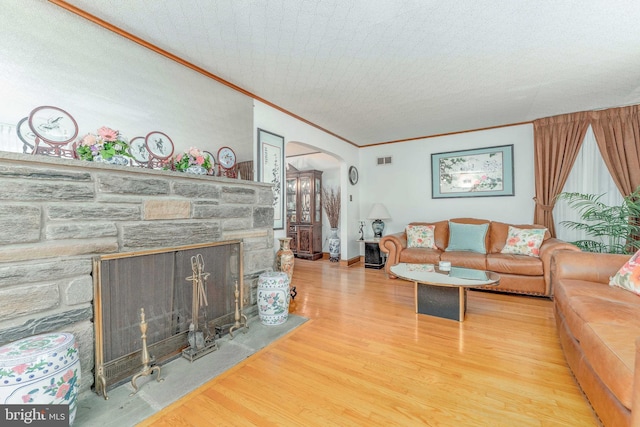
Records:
x=331, y=205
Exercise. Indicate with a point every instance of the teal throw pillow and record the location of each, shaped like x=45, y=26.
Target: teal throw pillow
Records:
x=467, y=237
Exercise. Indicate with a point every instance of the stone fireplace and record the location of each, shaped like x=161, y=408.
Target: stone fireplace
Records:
x=57, y=215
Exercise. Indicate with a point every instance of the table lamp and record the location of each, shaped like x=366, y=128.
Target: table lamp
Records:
x=378, y=213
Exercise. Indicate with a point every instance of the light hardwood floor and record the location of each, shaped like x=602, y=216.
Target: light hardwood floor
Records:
x=366, y=358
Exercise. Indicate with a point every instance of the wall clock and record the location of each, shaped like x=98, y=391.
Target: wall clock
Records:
x=353, y=175
x=227, y=162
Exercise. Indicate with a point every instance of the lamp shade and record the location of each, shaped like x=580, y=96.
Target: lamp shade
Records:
x=378, y=211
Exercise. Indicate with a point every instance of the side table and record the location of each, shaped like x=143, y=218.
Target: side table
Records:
x=373, y=257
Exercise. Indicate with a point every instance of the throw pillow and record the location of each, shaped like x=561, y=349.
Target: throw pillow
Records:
x=421, y=236
x=467, y=237
x=524, y=241
x=628, y=277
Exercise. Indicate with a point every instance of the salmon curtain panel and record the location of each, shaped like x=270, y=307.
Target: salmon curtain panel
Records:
x=617, y=132
x=556, y=142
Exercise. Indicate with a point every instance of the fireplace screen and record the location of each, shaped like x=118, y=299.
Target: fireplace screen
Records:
x=158, y=282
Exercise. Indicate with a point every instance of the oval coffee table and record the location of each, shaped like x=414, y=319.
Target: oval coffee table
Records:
x=443, y=293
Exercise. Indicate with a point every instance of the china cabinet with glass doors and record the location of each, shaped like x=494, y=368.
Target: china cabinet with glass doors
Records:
x=304, y=213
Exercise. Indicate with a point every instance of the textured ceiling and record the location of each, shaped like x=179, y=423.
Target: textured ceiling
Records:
x=373, y=71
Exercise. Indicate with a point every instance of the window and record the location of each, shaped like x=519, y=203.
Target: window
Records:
x=590, y=176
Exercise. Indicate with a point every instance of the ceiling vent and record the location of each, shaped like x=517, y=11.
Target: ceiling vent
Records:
x=384, y=160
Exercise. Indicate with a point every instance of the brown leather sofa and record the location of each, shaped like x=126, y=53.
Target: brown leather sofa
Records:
x=518, y=273
x=599, y=326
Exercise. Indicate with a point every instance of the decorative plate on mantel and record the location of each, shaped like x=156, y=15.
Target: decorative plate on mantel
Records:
x=227, y=163
x=53, y=125
x=26, y=135
x=213, y=160
x=159, y=145
x=226, y=157
x=138, y=150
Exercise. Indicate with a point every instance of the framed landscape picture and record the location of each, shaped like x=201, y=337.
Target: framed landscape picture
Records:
x=481, y=172
x=271, y=170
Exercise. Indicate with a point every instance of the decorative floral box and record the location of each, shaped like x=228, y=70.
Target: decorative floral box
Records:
x=42, y=369
x=273, y=297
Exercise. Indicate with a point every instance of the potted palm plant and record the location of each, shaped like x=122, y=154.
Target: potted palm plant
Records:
x=613, y=229
x=331, y=205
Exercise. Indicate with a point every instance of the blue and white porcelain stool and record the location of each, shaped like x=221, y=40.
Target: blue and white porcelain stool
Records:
x=42, y=370
x=273, y=297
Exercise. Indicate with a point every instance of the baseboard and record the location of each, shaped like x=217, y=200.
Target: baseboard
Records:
x=351, y=261
x=345, y=262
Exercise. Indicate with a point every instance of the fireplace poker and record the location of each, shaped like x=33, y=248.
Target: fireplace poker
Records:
x=199, y=344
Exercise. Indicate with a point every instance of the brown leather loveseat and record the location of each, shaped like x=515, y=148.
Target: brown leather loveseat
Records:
x=599, y=326
x=518, y=273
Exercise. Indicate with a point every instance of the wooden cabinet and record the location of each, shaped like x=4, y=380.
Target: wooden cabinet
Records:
x=304, y=213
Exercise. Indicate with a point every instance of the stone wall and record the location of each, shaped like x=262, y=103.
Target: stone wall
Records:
x=56, y=214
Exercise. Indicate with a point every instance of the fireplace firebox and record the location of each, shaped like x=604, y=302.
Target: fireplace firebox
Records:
x=158, y=281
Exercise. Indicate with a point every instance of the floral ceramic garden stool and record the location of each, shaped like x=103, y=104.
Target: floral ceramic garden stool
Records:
x=41, y=370
x=273, y=297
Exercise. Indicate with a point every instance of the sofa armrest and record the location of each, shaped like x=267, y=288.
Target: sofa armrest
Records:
x=588, y=266
x=635, y=403
x=547, y=249
x=553, y=244
x=393, y=244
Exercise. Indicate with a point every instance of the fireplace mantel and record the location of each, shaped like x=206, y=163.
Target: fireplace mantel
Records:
x=56, y=214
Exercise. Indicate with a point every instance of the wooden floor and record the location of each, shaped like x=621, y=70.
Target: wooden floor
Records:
x=366, y=359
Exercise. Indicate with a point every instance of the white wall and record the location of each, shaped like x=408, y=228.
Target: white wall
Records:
x=404, y=186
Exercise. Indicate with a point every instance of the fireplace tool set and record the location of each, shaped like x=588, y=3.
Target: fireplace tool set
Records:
x=200, y=339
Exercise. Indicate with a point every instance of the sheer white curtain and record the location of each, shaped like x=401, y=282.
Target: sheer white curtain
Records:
x=589, y=175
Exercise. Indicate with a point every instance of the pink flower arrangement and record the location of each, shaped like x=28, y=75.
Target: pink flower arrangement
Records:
x=108, y=134
x=192, y=157
x=107, y=143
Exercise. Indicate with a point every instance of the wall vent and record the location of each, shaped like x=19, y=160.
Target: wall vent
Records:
x=384, y=160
